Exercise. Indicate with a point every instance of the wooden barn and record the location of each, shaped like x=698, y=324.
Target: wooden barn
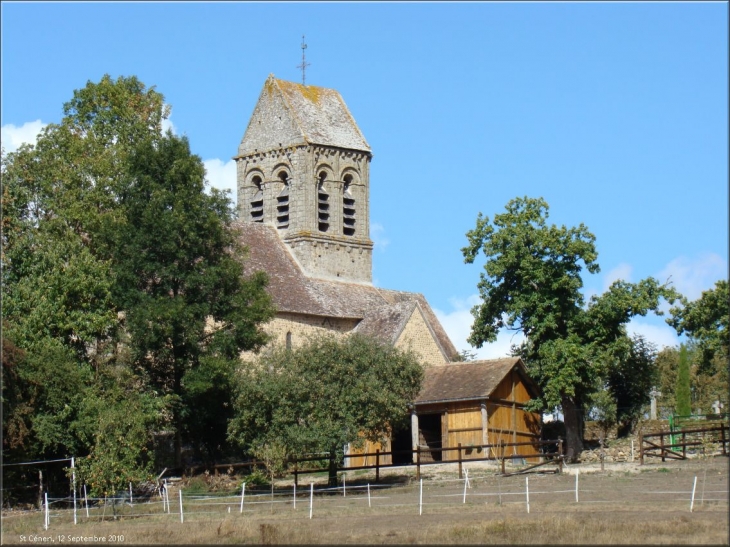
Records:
x=475, y=403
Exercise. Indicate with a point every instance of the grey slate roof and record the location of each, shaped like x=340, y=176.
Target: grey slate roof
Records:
x=468, y=381
x=289, y=114
x=382, y=313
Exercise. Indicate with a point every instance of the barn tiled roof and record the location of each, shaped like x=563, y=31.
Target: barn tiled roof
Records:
x=289, y=113
x=383, y=313
x=466, y=381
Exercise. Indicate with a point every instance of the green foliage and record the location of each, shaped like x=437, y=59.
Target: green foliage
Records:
x=532, y=283
x=683, y=390
x=117, y=264
x=603, y=410
x=323, y=395
x=630, y=380
x=706, y=321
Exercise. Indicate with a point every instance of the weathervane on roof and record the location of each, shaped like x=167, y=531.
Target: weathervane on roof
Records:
x=304, y=64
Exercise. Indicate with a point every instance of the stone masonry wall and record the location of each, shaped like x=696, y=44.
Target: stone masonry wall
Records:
x=417, y=336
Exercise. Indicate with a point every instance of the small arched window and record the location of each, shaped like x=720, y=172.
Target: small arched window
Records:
x=323, y=206
x=282, y=203
x=257, y=202
x=348, y=209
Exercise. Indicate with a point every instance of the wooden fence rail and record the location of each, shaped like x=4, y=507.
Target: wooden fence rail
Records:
x=499, y=450
x=697, y=437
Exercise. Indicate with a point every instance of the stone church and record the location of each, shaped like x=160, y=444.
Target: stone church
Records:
x=303, y=176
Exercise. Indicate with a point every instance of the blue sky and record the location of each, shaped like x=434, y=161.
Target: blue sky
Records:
x=615, y=113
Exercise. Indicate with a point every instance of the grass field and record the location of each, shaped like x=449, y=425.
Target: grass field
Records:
x=648, y=505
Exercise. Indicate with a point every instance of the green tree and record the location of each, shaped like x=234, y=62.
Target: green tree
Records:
x=532, y=283
x=683, y=389
x=630, y=379
x=114, y=256
x=705, y=322
x=323, y=395
x=179, y=271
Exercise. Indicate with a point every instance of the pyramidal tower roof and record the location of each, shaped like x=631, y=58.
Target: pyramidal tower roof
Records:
x=290, y=114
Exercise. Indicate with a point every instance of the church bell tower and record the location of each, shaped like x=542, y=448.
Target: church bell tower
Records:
x=303, y=168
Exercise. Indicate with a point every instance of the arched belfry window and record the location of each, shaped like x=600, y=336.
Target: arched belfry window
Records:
x=282, y=203
x=257, y=202
x=348, y=208
x=323, y=206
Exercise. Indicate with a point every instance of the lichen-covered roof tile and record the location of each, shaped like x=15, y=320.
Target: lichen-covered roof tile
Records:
x=288, y=114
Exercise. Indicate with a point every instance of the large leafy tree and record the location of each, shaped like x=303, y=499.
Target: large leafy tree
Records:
x=532, y=283
x=323, y=395
x=114, y=257
x=178, y=266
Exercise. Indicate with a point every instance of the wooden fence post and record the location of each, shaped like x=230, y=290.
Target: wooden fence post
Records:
x=501, y=445
x=296, y=472
x=377, y=464
x=460, y=467
x=560, y=454
x=684, y=445
x=641, y=449
x=661, y=443
x=722, y=439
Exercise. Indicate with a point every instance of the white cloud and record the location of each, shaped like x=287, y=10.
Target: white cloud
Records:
x=377, y=234
x=661, y=335
x=691, y=276
x=620, y=272
x=457, y=323
x=167, y=124
x=13, y=136
x=222, y=175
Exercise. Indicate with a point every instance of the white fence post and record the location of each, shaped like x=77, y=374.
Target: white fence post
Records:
x=86, y=501
x=344, y=485
x=243, y=496
x=577, y=472
x=527, y=492
x=692, y=501
x=311, y=498
x=131, y=498
x=182, y=519
x=466, y=481
x=295, y=495
x=420, y=499
x=47, y=517
x=369, y=495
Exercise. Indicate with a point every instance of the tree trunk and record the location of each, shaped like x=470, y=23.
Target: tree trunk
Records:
x=332, y=482
x=573, y=418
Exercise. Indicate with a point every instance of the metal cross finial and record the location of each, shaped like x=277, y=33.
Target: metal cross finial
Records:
x=304, y=64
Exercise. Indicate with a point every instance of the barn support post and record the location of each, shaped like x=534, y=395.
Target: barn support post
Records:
x=485, y=424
